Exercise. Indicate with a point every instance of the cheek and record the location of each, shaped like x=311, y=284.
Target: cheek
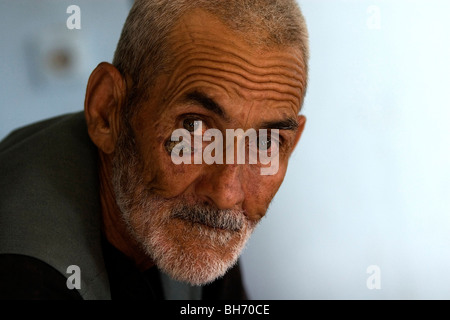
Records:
x=160, y=174
x=167, y=178
x=260, y=190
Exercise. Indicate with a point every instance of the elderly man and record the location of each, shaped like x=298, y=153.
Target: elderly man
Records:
x=93, y=204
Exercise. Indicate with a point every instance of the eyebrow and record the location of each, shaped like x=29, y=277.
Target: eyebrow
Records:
x=286, y=124
x=206, y=102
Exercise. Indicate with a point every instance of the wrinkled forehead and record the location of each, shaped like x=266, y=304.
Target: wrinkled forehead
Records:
x=204, y=50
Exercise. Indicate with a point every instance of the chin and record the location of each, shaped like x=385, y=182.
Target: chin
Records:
x=192, y=252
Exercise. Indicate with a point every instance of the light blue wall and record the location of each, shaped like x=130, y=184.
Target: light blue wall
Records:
x=29, y=31
x=370, y=181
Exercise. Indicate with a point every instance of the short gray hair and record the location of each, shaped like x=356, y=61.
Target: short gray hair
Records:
x=143, y=52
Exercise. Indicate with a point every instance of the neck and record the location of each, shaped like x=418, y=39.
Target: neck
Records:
x=114, y=227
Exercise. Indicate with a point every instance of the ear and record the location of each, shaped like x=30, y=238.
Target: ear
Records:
x=301, y=126
x=105, y=95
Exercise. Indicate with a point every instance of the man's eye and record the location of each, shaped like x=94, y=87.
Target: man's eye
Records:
x=264, y=144
x=269, y=142
x=192, y=125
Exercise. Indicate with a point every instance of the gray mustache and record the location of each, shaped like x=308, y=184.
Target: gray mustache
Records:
x=232, y=220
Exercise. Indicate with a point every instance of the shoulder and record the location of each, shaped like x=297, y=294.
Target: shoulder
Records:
x=27, y=278
x=49, y=202
x=35, y=131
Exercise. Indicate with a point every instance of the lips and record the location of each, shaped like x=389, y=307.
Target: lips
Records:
x=220, y=219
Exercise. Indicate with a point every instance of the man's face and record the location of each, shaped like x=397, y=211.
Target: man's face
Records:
x=194, y=219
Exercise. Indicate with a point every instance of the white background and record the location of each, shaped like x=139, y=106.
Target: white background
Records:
x=369, y=183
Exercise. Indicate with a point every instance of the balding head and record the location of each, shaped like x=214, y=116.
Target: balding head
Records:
x=144, y=52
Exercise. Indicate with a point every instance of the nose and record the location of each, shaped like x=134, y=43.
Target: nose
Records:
x=222, y=187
